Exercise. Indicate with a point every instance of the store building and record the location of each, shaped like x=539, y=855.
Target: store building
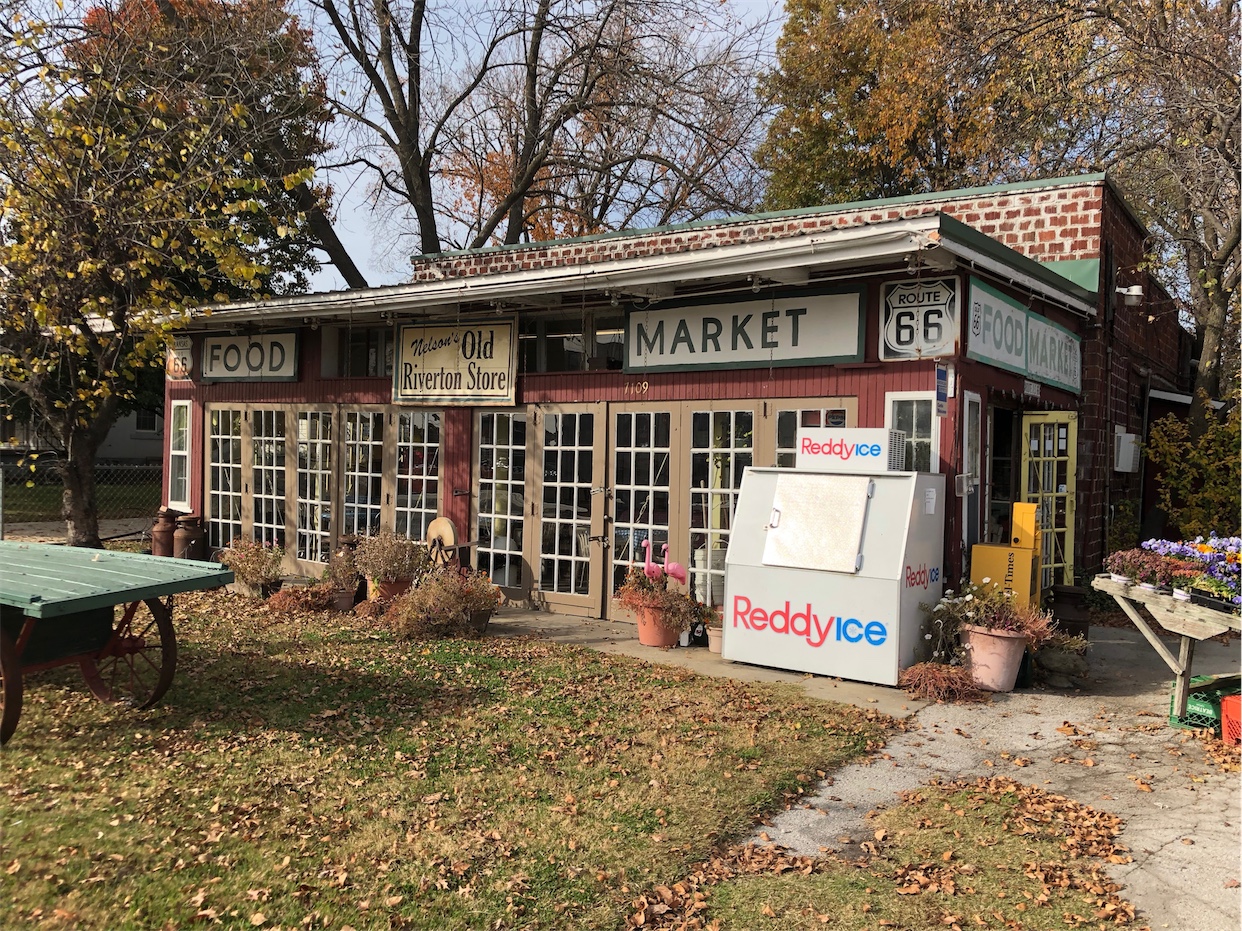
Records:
x=564, y=402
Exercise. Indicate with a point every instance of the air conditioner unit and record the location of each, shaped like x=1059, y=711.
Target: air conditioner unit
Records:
x=1125, y=452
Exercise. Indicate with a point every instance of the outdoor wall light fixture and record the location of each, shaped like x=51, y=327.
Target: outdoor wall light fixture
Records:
x=1133, y=294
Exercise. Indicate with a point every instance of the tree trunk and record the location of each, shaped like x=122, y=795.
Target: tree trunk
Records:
x=79, y=507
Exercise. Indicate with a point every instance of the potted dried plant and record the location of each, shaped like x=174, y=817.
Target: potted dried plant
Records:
x=662, y=613
x=256, y=566
x=390, y=563
x=343, y=578
x=446, y=603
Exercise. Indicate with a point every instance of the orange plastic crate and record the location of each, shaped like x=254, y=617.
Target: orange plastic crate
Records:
x=1230, y=719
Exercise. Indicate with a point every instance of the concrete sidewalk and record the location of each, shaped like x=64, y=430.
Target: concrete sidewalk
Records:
x=1182, y=813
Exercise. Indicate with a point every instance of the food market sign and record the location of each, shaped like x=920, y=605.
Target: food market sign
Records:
x=805, y=329
x=262, y=357
x=1005, y=334
x=468, y=363
x=920, y=320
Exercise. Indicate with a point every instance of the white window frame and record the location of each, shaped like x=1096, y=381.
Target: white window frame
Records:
x=891, y=396
x=184, y=455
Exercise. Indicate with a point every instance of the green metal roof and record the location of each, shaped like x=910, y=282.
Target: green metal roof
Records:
x=1083, y=272
x=929, y=197
x=46, y=580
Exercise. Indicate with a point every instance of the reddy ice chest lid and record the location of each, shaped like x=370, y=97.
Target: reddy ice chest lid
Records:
x=817, y=521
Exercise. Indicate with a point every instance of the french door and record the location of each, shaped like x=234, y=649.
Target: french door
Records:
x=567, y=506
x=1049, y=480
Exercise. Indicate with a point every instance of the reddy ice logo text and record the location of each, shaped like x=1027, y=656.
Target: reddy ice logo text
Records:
x=840, y=449
x=806, y=624
x=922, y=576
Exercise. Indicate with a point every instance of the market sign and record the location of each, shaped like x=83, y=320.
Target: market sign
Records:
x=261, y=357
x=179, y=362
x=1005, y=334
x=466, y=363
x=920, y=320
x=804, y=329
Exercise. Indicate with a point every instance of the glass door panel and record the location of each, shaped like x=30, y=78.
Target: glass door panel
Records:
x=721, y=447
x=364, y=473
x=314, y=485
x=224, y=468
x=499, y=515
x=418, y=472
x=267, y=440
x=569, y=442
x=640, y=488
x=1049, y=469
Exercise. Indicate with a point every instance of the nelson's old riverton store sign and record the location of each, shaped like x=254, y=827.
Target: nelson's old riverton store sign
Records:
x=466, y=363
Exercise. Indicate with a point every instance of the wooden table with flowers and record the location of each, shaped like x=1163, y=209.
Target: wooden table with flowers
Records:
x=1191, y=622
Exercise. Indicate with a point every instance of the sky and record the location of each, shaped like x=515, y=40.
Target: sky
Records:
x=369, y=240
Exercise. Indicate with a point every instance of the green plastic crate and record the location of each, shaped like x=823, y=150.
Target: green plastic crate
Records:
x=1203, y=703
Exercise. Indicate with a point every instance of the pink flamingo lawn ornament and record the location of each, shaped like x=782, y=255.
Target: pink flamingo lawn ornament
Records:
x=651, y=570
x=675, y=570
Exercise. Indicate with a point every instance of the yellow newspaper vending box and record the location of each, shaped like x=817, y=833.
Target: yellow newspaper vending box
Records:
x=1015, y=567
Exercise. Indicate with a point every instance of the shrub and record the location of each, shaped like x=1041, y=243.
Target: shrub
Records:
x=1200, y=477
x=254, y=563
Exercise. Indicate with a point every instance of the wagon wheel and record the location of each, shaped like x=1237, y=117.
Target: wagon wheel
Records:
x=136, y=666
x=10, y=688
x=442, y=541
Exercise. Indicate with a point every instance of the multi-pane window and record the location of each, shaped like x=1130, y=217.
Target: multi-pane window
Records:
x=224, y=492
x=179, y=457
x=568, y=463
x=314, y=485
x=364, y=473
x=146, y=421
x=267, y=442
x=640, y=489
x=366, y=352
x=912, y=414
x=418, y=472
x=502, y=478
x=721, y=447
x=788, y=422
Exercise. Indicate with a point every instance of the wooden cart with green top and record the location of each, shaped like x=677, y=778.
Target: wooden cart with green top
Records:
x=108, y=612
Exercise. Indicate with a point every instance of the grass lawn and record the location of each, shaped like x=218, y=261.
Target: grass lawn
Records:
x=309, y=772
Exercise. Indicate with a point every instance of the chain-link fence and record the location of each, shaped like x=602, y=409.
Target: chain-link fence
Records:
x=122, y=491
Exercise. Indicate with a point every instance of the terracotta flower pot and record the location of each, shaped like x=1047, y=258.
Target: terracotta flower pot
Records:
x=651, y=629
x=715, y=639
x=995, y=656
x=387, y=591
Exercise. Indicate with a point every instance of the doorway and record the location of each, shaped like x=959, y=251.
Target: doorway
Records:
x=1049, y=480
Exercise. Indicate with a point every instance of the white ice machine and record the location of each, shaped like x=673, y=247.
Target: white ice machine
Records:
x=825, y=571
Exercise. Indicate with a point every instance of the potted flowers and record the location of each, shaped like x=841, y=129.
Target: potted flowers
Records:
x=662, y=613
x=256, y=566
x=390, y=563
x=1205, y=570
x=994, y=630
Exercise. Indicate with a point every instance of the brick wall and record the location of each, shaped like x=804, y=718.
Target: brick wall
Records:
x=1053, y=223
